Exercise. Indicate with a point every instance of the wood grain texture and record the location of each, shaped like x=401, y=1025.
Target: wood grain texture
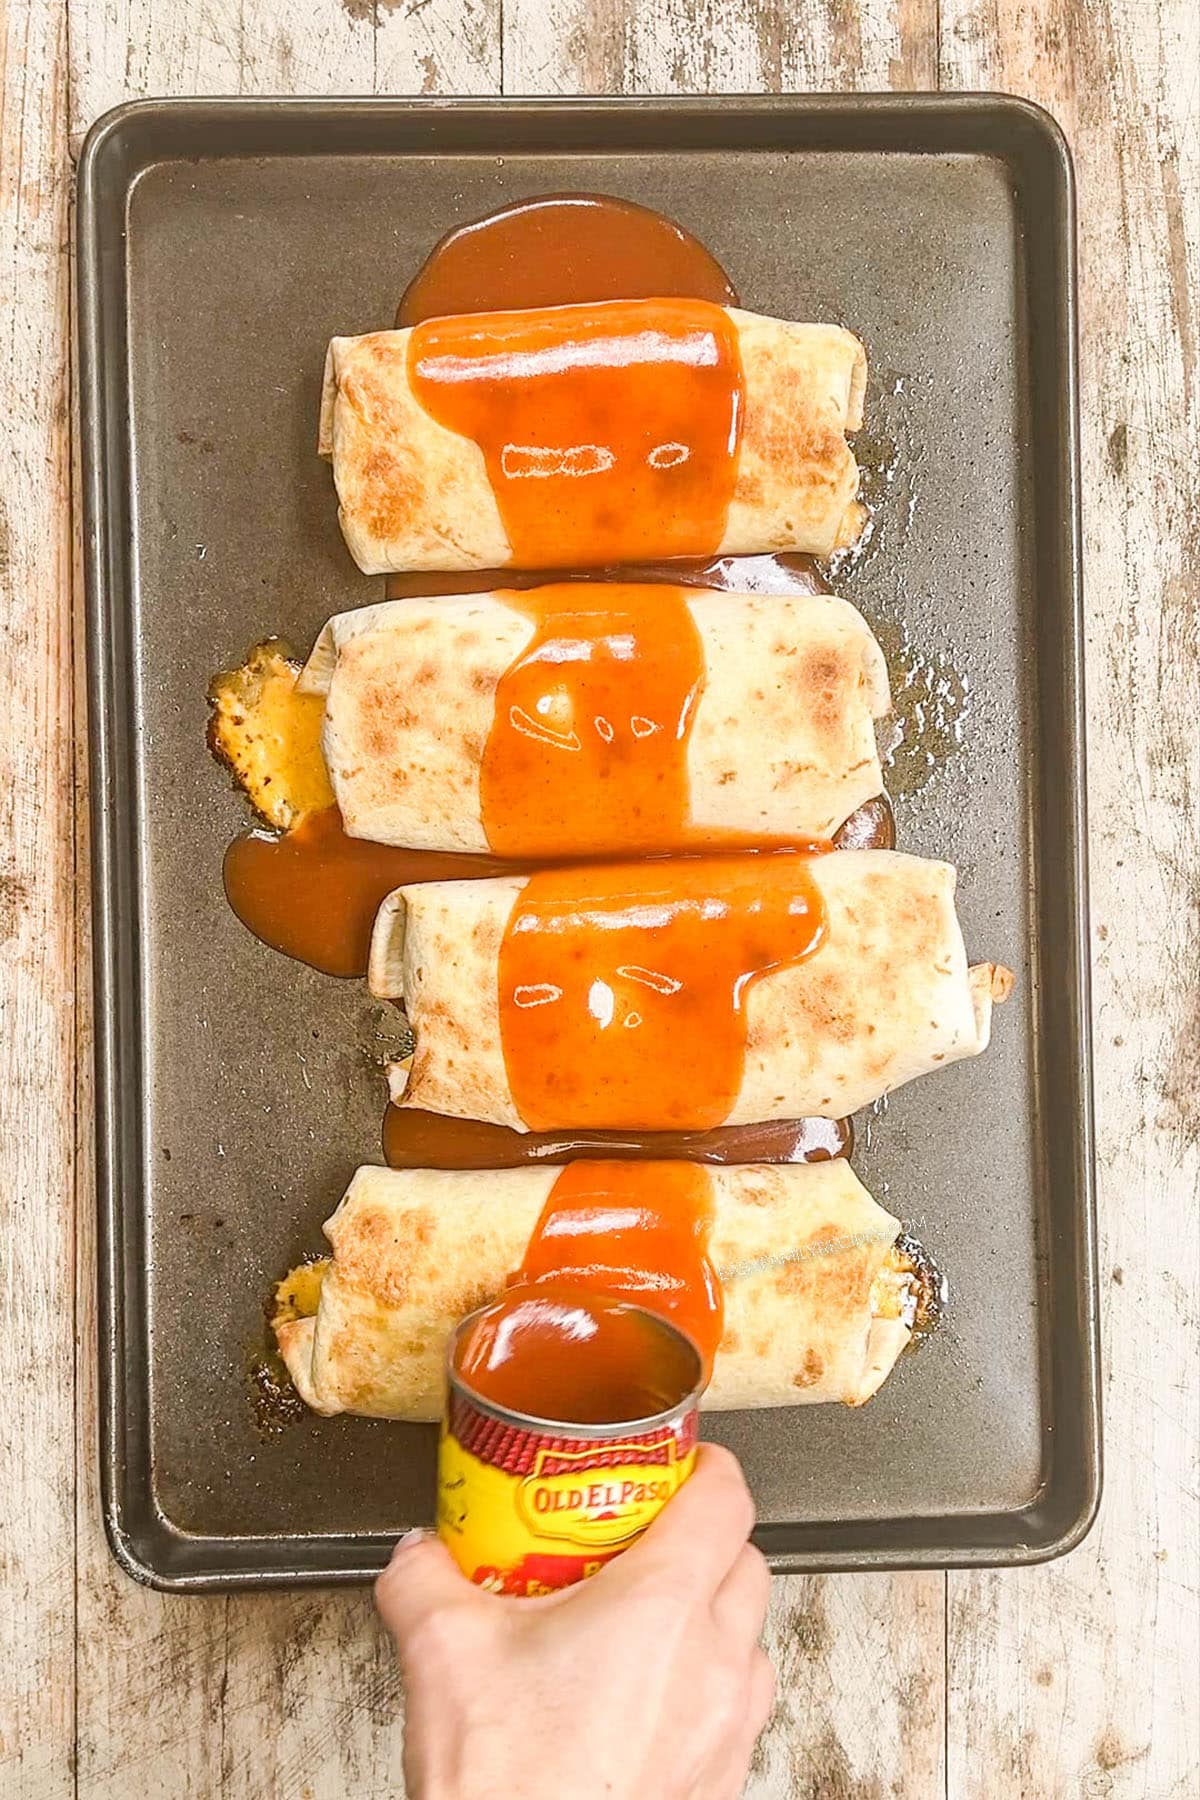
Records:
x=717, y=46
x=1071, y=1680
x=37, y=944
x=135, y=49
x=247, y=1696
x=1080, y=1678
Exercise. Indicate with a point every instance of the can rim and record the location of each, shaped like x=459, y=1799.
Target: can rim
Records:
x=568, y=1428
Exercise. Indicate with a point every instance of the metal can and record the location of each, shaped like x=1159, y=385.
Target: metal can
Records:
x=526, y=1505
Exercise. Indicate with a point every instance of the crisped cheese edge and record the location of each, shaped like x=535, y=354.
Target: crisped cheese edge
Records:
x=266, y=730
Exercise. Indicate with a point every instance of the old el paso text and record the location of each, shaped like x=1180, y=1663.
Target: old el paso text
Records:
x=599, y=1496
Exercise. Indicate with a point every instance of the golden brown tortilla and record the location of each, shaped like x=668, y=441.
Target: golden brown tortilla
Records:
x=413, y=495
x=813, y=1286
x=782, y=741
x=887, y=995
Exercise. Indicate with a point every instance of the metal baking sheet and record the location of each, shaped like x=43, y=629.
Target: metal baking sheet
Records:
x=220, y=244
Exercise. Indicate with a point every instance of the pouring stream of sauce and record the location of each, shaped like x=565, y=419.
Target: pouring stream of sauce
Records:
x=554, y=1344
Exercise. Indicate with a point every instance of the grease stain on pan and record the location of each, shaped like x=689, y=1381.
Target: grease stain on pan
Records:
x=931, y=705
x=274, y=1402
x=931, y=694
x=890, y=462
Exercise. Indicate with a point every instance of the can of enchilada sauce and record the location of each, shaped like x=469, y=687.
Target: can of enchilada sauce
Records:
x=570, y=1421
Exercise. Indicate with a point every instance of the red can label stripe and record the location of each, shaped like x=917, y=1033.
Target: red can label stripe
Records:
x=518, y=1449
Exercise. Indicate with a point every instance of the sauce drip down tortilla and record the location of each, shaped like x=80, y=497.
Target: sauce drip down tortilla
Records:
x=553, y=1347
x=605, y=437
x=621, y=986
x=589, y=740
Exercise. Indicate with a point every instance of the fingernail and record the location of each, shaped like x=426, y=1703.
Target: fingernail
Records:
x=416, y=1536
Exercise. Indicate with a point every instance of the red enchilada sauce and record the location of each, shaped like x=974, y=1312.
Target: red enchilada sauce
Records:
x=314, y=891
x=623, y=986
x=606, y=436
x=588, y=745
x=634, y=1232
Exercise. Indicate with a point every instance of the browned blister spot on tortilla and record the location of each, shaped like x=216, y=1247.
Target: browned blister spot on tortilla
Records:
x=812, y=1371
x=389, y=493
x=378, y=1252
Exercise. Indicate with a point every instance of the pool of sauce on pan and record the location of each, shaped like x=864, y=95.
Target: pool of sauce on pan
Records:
x=560, y=250
x=414, y=1139
x=555, y=1345
x=313, y=892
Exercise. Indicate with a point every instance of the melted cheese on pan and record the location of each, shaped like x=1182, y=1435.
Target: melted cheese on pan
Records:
x=269, y=737
x=299, y=1293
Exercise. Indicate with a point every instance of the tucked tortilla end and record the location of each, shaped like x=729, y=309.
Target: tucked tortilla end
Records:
x=397, y=1079
x=858, y=388
x=317, y=672
x=385, y=964
x=294, y=1322
x=1002, y=983
x=852, y=525
x=328, y=397
x=294, y=1339
x=991, y=984
x=886, y=1342
x=267, y=732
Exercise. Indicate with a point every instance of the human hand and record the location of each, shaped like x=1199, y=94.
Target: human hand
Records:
x=646, y=1679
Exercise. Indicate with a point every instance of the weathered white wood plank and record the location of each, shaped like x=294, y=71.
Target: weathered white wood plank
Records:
x=1081, y=1678
x=267, y=1694
x=438, y=47
x=37, y=949
x=860, y=1697
x=717, y=46
x=137, y=49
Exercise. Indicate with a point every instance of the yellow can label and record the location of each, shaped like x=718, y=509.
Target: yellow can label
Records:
x=524, y=1515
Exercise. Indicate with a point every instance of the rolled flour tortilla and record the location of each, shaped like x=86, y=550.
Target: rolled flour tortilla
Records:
x=414, y=495
x=782, y=740
x=885, y=997
x=818, y=1302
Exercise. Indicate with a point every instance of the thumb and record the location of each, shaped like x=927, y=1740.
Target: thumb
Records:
x=421, y=1577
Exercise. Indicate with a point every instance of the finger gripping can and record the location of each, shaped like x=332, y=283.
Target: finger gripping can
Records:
x=528, y=1504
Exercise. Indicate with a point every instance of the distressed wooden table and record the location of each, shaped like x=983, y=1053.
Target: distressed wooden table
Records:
x=1074, y=1679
